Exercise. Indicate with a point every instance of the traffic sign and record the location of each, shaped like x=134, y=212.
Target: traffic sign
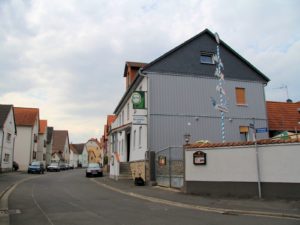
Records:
x=261, y=130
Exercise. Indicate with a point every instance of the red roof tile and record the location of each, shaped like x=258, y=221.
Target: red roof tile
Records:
x=26, y=116
x=111, y=119
x=283, y=116
x=43, y=126
x=59, y=140
x=231, y=144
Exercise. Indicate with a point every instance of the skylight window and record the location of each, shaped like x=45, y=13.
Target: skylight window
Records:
x=206, y=58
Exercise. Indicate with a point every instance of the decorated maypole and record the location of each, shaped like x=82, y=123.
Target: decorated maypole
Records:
x=222, y=105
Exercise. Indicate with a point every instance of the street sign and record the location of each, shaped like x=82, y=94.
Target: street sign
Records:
x=261, y=130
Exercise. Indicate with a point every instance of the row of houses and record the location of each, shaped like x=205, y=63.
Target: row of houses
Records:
x=26, y=138
x=178, y=96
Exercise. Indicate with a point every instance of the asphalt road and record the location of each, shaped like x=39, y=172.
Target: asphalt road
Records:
x=69, y=197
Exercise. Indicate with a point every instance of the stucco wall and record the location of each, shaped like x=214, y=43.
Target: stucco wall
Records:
x=278, y=163
x=23, y=147
x=7, y=146
x=233, y=171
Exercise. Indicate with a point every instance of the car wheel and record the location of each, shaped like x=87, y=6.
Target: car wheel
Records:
x=101, y=174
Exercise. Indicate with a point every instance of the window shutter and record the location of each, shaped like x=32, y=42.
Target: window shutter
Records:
x=240, y=96
x=244, y=129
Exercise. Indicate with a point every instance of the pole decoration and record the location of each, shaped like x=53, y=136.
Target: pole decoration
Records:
x=222, y=106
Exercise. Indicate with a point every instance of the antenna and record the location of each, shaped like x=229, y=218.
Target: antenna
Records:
x=284, y=86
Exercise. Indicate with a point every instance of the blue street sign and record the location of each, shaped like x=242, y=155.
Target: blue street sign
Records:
x=261, y=130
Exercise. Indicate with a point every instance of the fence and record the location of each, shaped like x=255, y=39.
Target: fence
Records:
x=169, y=166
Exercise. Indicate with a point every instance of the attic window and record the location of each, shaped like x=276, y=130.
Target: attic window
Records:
x=206, y=58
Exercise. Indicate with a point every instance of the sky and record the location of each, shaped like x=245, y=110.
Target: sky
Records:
x=67, y=57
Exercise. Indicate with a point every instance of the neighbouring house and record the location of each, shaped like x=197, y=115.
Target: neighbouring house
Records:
x=172, y=97
x=49, y=145
x=95, y=151
x=8, y=132
x=283, y=119
x=60, y=148
x=74, y=156
x=26, y=144
x=42, y=142
x=82, y=154
x=105, y=138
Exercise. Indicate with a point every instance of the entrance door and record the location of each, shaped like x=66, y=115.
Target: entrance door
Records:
x=128, y=146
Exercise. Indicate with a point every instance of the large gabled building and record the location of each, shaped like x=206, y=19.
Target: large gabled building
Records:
x=60, y=148
x=8, y=132
x=172, y=96
x=26, y=144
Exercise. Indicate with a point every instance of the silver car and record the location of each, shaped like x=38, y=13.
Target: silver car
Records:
x=94, y=169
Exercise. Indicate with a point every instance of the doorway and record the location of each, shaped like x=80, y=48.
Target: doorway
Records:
x=128, y=146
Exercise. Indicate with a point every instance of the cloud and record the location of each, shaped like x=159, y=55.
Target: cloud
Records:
x=67, y=57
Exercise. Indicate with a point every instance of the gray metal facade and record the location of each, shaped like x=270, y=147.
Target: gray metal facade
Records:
x=180, y=87
x=176, y=101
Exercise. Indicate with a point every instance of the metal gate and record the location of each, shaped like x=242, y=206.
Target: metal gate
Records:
x=169, y=167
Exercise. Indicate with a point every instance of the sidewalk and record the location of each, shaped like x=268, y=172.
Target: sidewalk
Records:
x=8, y=179
x=284, y=207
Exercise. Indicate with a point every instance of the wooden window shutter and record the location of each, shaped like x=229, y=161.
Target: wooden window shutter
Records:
x=244, y=129
x=240, y=96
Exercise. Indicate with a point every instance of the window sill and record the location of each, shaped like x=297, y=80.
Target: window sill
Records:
x=243, y=105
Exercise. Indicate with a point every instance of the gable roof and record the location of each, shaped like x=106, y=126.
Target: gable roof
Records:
x=135, y=65
x=95, y=140
x=26, y=116
x=59, y=140
x=283, y=116
x=110, y=119
x=4, y=111
x=151, y=66
x=79, y=148
x=43, y=126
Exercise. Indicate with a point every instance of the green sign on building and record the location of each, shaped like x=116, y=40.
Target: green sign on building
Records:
x=138, y=100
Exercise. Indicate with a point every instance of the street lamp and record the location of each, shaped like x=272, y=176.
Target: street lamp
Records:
x=187, y=138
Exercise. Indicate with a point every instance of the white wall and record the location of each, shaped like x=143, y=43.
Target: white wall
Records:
x=278, y=163
x=83, y=158
x=23, y=147
x=137, y=150
x=41, y=151
x=8, y=144
x=66, y=152
x=74, y=159
x=35, y=144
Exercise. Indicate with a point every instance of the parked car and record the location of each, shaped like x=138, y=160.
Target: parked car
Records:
x=54, y=166
x=71, y=166
x=62, y=166
x=94, y=169
x=15, y=166
x=36, y=167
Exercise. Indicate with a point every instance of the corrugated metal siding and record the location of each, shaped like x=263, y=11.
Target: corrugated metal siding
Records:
x=176, y=101
x=186, y=60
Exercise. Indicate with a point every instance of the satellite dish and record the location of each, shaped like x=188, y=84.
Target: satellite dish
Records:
x=217, y=38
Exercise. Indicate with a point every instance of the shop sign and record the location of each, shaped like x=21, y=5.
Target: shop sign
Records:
x=138, y=99
x=139, y=119
x=199, y=158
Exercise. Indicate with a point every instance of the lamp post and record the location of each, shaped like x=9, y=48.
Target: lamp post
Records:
x=187, y=138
